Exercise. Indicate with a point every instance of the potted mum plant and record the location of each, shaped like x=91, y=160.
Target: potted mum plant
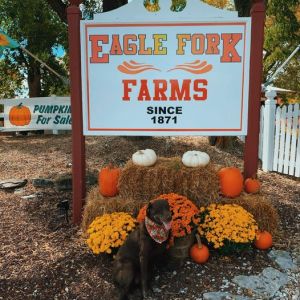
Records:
x=228, y=228
x=109, y=231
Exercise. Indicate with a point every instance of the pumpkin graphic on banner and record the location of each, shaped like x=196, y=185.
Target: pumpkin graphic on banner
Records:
x=20, y=115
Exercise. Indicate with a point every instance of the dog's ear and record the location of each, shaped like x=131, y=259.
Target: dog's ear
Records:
x=148, y=208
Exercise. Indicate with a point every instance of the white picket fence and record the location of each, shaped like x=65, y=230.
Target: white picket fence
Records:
x=279, y=147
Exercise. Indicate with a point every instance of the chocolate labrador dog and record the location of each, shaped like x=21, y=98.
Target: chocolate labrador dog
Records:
x=146, y=242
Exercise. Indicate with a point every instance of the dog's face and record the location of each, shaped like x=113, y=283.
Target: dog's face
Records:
x=159, y=212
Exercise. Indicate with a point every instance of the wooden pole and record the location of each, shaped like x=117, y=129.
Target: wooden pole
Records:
x=257, y=39
x=78, y=141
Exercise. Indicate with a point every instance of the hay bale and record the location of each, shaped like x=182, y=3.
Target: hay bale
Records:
x=263, y=211
x=97, y=205
x=169, y=175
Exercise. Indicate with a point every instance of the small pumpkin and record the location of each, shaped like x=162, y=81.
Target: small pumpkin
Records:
x=199, y=252
x=145, y=158
x=231, y=181
x=252, y=185
x=263, y=240
x=195, y=159
x=108, y=181
x=19, y=115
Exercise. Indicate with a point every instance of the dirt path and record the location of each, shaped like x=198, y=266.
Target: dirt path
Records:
x=43, y=257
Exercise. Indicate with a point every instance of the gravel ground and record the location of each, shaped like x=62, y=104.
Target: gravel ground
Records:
x=44, y=257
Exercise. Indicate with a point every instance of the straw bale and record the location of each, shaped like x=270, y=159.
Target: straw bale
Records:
x=169, y=175
x=97, y=205
x=261, y=208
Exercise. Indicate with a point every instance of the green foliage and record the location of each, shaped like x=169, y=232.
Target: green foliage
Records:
x=91, y=7
x=290, y=79
x=234, y=248
x=178, y=5
x=281, y=38
x=11, y=80
x=34, y=25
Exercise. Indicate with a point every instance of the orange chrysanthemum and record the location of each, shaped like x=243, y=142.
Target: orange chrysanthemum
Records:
x=184, y=214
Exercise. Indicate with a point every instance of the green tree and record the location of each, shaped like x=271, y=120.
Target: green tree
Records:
x=282, y=35
x=34, y=26
x=282, y=30
x=290, y=79
x=11, y=80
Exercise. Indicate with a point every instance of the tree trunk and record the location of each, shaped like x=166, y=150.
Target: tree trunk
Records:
x=34, y=80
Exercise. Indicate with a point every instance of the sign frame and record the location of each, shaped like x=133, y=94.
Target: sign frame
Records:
x=94, y=107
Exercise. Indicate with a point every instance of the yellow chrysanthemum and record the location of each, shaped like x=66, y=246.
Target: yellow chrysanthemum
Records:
x=109, y=231
x=228, y=222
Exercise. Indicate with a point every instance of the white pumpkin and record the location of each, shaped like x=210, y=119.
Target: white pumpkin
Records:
x=195, y=159
x=144, y=158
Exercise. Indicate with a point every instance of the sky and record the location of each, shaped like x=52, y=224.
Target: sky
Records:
x=58, y=51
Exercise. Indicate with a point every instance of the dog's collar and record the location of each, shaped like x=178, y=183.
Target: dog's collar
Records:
x=157, y=232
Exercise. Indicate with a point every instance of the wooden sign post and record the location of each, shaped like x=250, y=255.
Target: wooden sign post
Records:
x=256, y=60
x=181, y=73
x=78, y=140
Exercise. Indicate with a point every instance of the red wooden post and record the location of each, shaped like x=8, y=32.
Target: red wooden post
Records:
x=78, y=141
x=257, y=39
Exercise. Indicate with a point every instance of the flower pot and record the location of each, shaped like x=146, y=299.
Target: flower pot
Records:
x=180, y=249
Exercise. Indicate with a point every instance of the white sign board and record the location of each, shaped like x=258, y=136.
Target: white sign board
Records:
x=47, y=113
x=155, y=76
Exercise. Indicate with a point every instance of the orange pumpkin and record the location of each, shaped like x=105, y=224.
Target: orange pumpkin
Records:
x=252, y=185
x=19, y=115
x=264, y=240
x=108, y=181
x=199, y=252
x=231, y=182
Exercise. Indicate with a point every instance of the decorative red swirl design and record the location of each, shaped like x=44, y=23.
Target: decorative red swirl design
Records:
x=195, y=67
x=133, y=67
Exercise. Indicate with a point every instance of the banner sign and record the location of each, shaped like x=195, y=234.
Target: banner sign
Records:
x=165, y=78
x=49, y=113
